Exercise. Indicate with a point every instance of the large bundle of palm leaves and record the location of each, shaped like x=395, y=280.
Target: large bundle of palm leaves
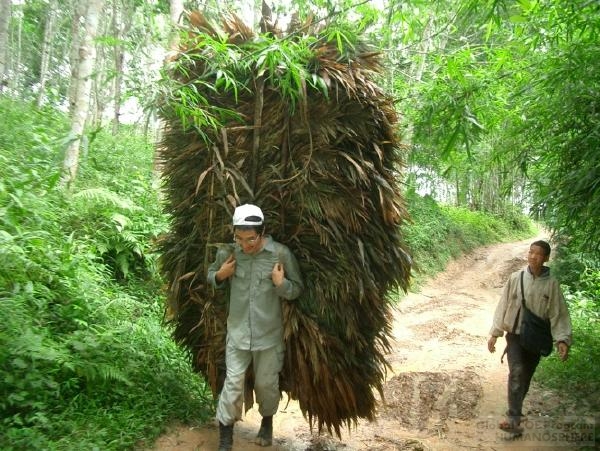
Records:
x=297, y=125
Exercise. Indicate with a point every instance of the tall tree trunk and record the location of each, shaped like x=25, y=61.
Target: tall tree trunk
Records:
x=46, y=51
x=79, y=11
x=102, y=87
x=16, y=51
x=176, y=15
x=118, y=62
x=5, y=7
x=457, y=187
x=122, y=22
x=87, y=58
x=176, y=9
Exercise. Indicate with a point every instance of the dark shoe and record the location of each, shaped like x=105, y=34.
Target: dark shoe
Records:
x=511, y=426
x=225, y=437
x=265, y=433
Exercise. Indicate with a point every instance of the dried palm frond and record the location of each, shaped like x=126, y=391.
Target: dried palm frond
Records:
x=300, y=128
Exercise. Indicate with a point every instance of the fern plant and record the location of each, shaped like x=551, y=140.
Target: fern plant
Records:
x=74, y=343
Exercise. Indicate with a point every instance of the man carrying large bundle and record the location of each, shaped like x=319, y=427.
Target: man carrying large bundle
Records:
x=298, y=125
x=259, y=272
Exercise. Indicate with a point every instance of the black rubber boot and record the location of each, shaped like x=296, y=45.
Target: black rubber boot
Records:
x=265, y=433
x=225, y=437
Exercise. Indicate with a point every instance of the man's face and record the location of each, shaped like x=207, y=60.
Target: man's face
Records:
x=248, y=240
x=536, y=257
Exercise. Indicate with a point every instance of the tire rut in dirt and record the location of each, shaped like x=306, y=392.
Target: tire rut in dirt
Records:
x=426, y=400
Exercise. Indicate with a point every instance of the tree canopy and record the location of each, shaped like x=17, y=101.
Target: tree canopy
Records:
x=498, y=98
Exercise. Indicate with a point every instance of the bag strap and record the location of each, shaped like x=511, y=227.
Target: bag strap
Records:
x=522, y=303
x=522, y=291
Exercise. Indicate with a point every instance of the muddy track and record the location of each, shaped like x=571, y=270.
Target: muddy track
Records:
x=445, y=390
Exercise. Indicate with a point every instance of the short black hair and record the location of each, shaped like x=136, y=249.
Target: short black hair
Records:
x=544, y=245
x=259, y=229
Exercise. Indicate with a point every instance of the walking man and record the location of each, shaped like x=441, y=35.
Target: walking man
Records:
x=544, y=298
x=260, y=273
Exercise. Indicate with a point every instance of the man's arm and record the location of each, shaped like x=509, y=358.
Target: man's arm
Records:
x=291, y=285
x=221, y=269
x=498, y=323
x=497, y=329
x=560, y=321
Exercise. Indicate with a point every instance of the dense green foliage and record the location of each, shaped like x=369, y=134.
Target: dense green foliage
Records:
x=84, y=358
x=560, y=137
x=580, y=275
x=499, y=97
x=580, y=373
x=505, y=106
x=440, y=233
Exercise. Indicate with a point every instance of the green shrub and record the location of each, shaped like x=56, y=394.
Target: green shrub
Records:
x=439, y=233
x=579, y=374
x=84, y=356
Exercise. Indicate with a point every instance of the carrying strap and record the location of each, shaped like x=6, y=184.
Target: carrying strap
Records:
x=522, y=304
x=517, y=317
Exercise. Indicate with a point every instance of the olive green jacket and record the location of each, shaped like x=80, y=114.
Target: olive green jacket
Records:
x=255, y=320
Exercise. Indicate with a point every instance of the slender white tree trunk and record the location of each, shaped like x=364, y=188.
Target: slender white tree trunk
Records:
x=4, y=40
x=122, y=22
x=87, y=58
x=46, y=51
x=15, y=52
x=118, y=61
x=176, y=14
x=176, y=11
x=79, y=10
x=102, y=89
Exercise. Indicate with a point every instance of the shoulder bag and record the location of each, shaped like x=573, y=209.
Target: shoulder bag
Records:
x=536, y=335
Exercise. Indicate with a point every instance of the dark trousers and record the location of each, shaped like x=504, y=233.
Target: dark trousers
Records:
x=521, y=366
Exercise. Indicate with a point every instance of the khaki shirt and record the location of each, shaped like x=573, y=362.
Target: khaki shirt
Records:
x=543, y=297
x=255, y=320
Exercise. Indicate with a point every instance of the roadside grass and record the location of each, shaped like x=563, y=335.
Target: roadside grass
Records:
x=578, y=378
x=440, y=233
x=86, y=359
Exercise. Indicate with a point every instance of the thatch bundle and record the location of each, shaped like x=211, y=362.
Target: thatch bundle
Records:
x=298, y=126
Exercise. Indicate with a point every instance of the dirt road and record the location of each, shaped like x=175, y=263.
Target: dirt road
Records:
x=445, y=392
